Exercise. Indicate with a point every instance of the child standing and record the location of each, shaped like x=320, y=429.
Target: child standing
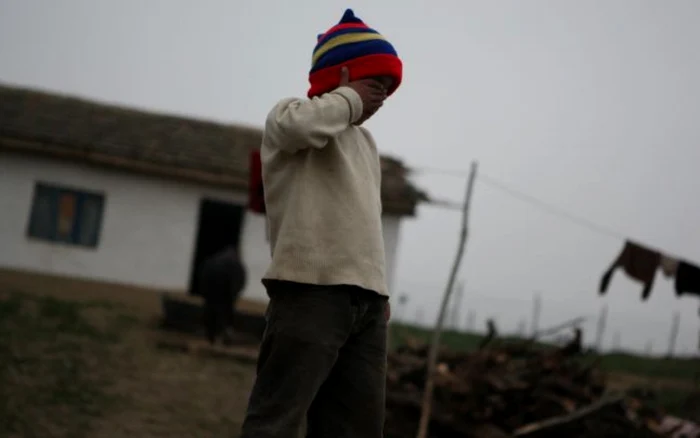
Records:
x=323, y=356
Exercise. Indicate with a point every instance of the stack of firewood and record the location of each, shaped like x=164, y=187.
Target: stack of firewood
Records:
x=510, y=390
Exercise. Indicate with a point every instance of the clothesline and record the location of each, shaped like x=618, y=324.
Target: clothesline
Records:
x=524, y=197
x=638, y=260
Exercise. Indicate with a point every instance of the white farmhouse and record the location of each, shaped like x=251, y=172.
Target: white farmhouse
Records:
x=99, y=192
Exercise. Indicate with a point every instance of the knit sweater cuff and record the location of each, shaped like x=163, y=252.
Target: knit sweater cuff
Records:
x=354, y=100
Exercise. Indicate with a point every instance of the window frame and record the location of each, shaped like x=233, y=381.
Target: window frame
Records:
x=51, y=233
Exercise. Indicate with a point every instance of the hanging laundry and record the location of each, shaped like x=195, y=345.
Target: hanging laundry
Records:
x=669, y=266
x=687, y=279
x=638, y=262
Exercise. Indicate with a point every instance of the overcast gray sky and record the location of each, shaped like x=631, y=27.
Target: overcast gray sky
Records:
x=591, y=106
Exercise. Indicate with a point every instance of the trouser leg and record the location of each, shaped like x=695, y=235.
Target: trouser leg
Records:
x=306, y=328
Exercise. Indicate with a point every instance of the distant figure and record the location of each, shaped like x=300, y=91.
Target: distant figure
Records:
x=491, y=333
x=222, y=277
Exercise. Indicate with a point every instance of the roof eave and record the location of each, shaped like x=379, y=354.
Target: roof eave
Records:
x=225, y=181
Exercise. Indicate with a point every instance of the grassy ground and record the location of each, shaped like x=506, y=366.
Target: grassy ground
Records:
x=90, y=369
x=647, y=367
x=78, y=359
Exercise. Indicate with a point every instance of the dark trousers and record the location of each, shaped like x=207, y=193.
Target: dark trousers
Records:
x=323, y=359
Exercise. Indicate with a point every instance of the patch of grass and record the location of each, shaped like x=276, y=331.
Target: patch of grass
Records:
x=401, y=333
x=53, y=378
x=679, y=368
x=651, y=367
x=458, y=341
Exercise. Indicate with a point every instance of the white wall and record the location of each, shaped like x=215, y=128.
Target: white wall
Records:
x=149, y=227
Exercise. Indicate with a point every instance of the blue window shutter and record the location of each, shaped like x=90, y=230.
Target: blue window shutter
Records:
x=81, y=212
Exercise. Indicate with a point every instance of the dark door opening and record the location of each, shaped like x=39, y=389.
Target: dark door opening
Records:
x=219, y=226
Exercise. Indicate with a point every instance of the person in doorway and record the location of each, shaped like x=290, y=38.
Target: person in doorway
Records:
x=222, y=278
x=323, y=357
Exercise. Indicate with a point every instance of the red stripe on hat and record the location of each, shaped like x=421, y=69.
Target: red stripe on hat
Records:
x=328, y=79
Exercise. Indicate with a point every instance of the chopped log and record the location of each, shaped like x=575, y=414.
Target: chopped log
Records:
x=537, y=427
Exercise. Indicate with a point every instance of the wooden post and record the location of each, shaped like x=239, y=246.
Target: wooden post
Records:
x=536, y=310
x=674, y=333
x=456, y=305
x=616, y=342
x=471, y=319
x=602, y=321
x=426, y=407
x=521, y=329
x=419, y=316
x=648, y=347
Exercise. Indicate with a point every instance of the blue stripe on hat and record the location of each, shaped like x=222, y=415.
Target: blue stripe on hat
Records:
x=347, y=52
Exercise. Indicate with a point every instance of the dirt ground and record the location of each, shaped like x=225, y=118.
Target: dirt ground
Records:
x=87, y=366
x=172, y=394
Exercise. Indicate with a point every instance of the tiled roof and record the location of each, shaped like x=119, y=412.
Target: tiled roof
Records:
x=165, y=145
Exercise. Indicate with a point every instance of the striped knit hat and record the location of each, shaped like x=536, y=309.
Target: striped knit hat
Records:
x=351, y=43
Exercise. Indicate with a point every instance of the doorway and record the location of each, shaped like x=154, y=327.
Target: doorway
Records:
x=219, y=226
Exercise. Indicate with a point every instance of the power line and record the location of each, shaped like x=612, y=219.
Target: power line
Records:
x=524, y=197
x=552, y=209
x=446, y=172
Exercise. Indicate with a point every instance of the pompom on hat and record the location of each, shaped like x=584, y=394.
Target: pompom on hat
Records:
x=352, y=44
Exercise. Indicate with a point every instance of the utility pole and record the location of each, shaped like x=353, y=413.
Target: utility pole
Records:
x=602, y=321
x=674, y=333
x=471, y=320
x=419, y=316
x=427, y=404
x=617, y=342
x=459, y=291
x=536, y=311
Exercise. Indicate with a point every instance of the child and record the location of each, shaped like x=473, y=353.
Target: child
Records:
x=323, y=356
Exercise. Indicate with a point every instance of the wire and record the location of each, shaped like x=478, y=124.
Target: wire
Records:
x=447, y=172
x=522, y=196
x=550, y=208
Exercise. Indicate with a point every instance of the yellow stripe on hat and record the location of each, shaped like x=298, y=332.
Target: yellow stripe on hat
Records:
x=347, y=38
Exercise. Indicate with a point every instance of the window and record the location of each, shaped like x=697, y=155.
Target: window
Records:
x=66, y=215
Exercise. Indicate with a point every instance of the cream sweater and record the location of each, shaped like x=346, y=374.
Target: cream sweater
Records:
x=322, y=180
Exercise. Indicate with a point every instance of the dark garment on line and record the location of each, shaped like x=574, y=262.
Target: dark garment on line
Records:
x=323, y=359
x=687, y=279
x=222, y=278
x=639, y=262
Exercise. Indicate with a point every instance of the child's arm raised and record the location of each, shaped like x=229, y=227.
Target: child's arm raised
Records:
x=296, y=124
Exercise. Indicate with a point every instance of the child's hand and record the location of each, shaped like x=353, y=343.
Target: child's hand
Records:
x=371, y=92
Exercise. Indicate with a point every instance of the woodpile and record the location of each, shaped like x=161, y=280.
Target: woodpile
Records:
x=510, y=390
